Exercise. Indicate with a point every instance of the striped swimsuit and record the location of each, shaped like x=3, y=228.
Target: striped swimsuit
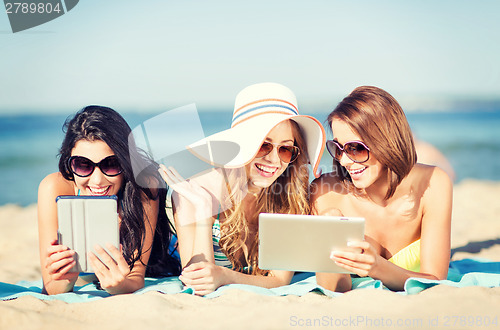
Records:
x=219, y=256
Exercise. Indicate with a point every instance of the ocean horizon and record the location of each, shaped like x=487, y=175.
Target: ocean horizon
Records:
x=470, y=140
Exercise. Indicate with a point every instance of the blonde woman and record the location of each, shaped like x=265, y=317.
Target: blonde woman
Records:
x=216, y=215
x=407, y=206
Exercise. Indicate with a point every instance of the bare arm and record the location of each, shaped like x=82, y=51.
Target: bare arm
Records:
x=434, y=244
x=436, y=226
x=194, y=231
x=435, y=237
x=55, y=260
x=323, y=205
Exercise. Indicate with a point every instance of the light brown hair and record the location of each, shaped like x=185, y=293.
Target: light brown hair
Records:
x=381, y=124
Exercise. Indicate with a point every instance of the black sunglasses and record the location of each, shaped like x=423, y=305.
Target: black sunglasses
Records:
x=287, y=154
x=356, y=151
x=84, y=167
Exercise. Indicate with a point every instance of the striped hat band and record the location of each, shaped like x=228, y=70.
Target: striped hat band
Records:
x=262, y=107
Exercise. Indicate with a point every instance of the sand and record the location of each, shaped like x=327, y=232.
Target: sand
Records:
x=475, y=233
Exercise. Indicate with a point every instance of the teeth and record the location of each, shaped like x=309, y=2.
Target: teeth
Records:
x=266, y=169
x=357, y=171
x=98, y=191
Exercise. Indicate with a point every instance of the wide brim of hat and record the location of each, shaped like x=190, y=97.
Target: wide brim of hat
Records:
x=237, y=146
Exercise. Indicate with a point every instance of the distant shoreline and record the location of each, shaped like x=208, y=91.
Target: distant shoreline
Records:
x=457, y=185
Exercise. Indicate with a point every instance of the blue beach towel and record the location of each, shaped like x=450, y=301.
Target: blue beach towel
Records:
x=462, y=273
x=87, y=292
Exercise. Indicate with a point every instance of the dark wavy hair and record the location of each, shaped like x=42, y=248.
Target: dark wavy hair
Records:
x=105, y=124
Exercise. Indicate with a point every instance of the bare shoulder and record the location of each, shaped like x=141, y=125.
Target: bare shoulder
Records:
x=50, y=187
x=55, y=183
x=430, y=180
x=430, y=173
x=440, y=182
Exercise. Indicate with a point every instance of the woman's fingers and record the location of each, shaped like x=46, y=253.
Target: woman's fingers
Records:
x=189, y=189
x=176, y=174
x=64, y=274
x=363, y=262
x=105, y=258
x=118, y=258
x=201, y=286
x=354, y=256
x=363, y=245
x=358, y=258
x=200, y=289
x=52, y=249
x=58, y=257
x=358, y=269
x=110, y=268
x=193, y=278
x=165, y=174
x=194, y=266
x=96, y=263
x=54, y=267
x=61, y=254
x=170, y=175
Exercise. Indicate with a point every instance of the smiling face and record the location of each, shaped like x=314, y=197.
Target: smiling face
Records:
x=364, y=174
x=263, y=171
x=96, y=184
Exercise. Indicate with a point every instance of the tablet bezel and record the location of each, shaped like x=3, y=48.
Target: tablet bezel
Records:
x=304, y=242
x=86, y=221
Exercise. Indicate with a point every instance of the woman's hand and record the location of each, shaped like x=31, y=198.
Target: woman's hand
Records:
x=111, y=270
x=60, y=259
x=200, y=198
x=204, y=277
x=361, y=258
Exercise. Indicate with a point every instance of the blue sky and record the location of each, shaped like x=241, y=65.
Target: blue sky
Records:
x=157, y=55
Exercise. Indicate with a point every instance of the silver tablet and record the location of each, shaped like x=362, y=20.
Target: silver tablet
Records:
x=304, y=242
x=83, y=222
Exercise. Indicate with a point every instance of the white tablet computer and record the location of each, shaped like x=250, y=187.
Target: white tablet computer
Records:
x=83, y=222
x=304, y=242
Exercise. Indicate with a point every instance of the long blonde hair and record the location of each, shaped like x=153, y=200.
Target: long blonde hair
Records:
x=288, y=194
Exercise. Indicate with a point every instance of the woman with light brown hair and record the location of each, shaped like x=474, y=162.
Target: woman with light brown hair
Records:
x=216, y=214
x=407, y=206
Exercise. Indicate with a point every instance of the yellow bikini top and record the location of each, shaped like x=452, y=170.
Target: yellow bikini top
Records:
x=408, y=257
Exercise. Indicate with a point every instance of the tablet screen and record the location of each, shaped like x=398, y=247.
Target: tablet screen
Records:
x=304, y=242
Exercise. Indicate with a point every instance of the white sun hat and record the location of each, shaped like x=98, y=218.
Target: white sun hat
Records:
x=258, y=109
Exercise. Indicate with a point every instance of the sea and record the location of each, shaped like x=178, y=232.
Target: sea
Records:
x=29, y=144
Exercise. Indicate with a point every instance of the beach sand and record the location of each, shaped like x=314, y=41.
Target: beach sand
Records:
x=475, y=233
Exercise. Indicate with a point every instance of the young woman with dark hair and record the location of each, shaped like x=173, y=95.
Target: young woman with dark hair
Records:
x=407, y=206
x=96, y=158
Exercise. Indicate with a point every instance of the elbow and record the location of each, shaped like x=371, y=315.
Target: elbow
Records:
x=334, y=282
x=442, y=277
